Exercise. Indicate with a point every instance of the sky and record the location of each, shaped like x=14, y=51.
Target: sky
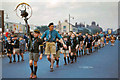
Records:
x=103, y=12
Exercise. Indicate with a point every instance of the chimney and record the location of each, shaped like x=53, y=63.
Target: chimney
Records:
x=97, y=25
x=76, y=24
x=93, y=23
x=59, y=22
x=66, y=21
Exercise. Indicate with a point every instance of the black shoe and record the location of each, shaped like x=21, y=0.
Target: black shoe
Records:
x=75, y=60
x=88, y=54
x=82, y=54
x=68, y=61
x=71, y=62
x=18, y=61
x=51, y=70
x=10, y=62
x=22, y=60
x=57, y=66
x=85, y=53
x=14, y=61
x=65, y=64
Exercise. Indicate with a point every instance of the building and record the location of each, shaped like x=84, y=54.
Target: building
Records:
x=81, y=28
x=94, y=28
x=17, y=27
x=42, y=28
x=64, y=27
x=14, y=27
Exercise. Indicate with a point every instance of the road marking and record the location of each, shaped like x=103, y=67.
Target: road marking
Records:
x=86, y=67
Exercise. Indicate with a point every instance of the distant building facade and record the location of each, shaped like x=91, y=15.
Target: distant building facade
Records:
x=94, y=28
x=64, y=27
x=17, y=27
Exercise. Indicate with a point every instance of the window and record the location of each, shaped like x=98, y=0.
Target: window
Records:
x=73, y=29
x=64, y=30
x=64, y=27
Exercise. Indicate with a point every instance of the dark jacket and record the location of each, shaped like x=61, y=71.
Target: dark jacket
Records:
x=81, y=38
x=67, y=43
x=89, y=41
x=96, y=38
x=9, y=45
x=35, y=45
x=16, y=43
x=78, y=39
x=58, y=45
x=74, y=43
x=22, y=44
x=85, y=40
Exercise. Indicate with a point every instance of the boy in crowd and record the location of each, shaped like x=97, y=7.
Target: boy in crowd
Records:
x=66, y=51
x=22, y=47
x=78, y=40
x=74, y=47
x=34, y=55
x=9, y=48
x=112, y=39
x=58, y=51
x=107, y=39
x=102, y=39
x=84, y=44
x=81, y=43
x=16, y=48
x=89, y=44
x=99, y=40
x=96, y=42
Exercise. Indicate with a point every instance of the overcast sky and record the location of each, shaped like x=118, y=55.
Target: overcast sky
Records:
x=104, y=13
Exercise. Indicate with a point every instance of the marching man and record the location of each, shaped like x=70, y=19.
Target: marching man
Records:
x=50, y=49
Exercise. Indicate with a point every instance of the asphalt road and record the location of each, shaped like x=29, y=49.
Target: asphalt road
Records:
x=101, y=64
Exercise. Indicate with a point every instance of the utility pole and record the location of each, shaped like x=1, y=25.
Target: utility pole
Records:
x=69, y=21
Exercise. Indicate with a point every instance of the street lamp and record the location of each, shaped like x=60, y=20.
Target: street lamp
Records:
x=69, y=21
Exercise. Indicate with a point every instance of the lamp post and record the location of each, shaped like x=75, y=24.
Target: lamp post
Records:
x=69, y=21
